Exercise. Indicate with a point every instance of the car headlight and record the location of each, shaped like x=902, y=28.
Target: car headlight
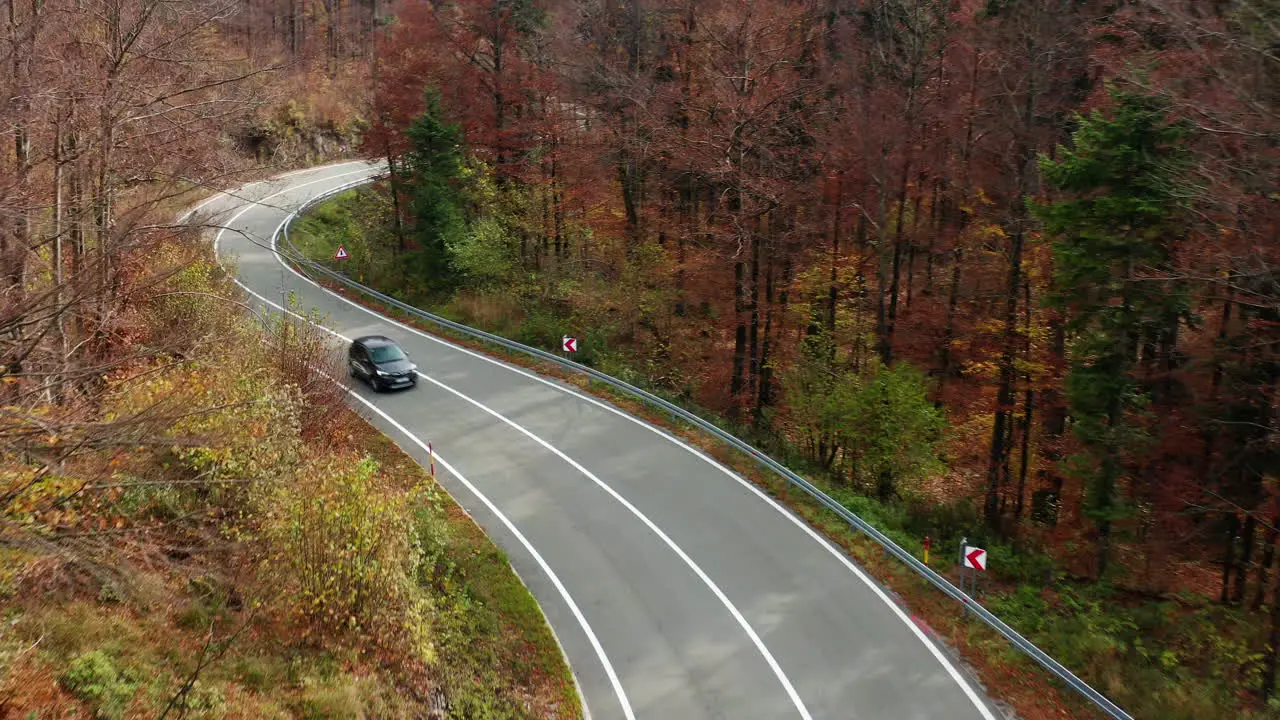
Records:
x=383, y=373
x=412, y=367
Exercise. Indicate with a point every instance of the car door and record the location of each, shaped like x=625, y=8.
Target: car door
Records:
x=360, y=361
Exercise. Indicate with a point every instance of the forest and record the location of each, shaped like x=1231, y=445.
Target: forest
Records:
x=988, y=268
x=994, y=268
x=193, y=523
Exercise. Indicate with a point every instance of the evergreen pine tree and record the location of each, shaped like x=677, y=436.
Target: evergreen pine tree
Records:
x=1117, y=223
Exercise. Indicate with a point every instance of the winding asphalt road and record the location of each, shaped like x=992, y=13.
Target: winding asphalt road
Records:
x=677, y=589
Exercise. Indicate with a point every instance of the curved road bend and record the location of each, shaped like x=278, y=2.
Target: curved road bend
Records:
x=678, y=591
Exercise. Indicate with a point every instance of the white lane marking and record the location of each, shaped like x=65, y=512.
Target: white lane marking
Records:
x=542, y=563
x=555, y=580
x=932, y=647
x=715, y=589
x=653, y=527
x=227, y=193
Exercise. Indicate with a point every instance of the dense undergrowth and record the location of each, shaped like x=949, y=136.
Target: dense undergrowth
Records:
x=219, y=535
x=1159, y=655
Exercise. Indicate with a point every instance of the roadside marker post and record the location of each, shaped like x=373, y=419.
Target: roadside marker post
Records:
x=431, y=457
x=972, y=559
x=926, y=549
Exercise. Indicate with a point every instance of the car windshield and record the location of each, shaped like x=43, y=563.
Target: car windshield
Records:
x=385, y=353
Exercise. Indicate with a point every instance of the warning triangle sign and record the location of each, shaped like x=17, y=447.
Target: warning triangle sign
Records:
x=341, y=253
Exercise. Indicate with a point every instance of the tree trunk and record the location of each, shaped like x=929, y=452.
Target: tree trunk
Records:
x=1228, y=557
x=498, y=44
x=293, y=23
x=1124, y=350
x=883, y=333
x=627, y=172
x=1054, y=413
x=557, y=208
x=1028, y=405
x=60, y=330
x=911, y=247
x=1268, y=557
x=15, y=255
x=949, y=331
x=1247, y=538
x=892, y=321
x=397, y=212
x=1273, y=648
x=75, y=187
x=934, y=230
x=998, y=458
x=833, y=289
x=962, y=223
x=753, y=301
x=765, y=395
x=740, y=330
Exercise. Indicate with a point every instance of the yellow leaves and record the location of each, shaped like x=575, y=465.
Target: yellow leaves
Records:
x=992, y=232
x=982, y=368
x=989, y=325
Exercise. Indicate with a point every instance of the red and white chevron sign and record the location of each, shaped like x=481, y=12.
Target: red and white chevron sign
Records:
x=569, y=344
x=975, y=557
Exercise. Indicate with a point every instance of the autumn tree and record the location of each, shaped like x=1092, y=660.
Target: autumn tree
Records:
x=1038, y=70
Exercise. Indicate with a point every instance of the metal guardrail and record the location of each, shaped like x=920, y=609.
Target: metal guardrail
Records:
x=938, y=581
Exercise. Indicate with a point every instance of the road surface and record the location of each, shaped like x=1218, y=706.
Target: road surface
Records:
x=678, y=590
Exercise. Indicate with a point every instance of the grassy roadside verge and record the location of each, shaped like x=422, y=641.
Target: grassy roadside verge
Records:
x=1176, y=656
x=172, y=549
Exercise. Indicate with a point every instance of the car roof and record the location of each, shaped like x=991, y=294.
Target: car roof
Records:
x=374, y=340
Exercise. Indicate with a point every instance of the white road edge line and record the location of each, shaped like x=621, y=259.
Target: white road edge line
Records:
x=933, y=648
x=653, y=527
x=586, y=713
x=706, y=580
x=533, y=552
x=182, y=219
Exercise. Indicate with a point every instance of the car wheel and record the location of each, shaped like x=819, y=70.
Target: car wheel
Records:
x=373, y=383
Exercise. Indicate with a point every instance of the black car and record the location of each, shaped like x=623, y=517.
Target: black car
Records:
x=381, y=363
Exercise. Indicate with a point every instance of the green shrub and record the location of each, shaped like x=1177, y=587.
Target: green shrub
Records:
x=152, y=502
x=201, y=701
x=94, y=678
x=880, y=416
x=343, y=551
